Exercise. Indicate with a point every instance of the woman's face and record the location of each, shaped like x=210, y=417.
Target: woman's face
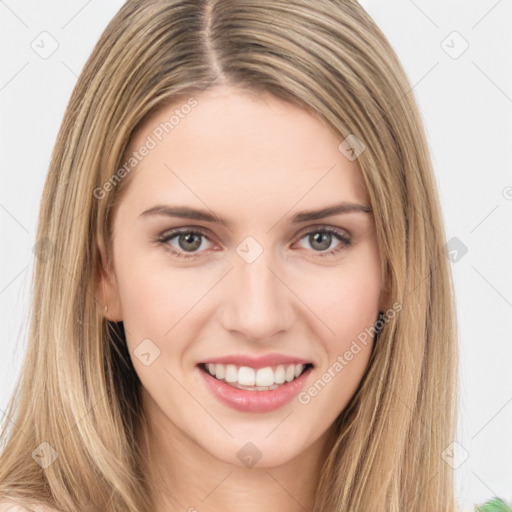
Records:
x=273, y=287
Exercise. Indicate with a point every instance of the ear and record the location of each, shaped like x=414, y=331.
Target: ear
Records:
x=107, y=293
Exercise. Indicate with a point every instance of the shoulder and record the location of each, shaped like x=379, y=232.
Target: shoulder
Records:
x=9, y=506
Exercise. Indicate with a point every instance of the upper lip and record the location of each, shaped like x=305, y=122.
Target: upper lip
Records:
x=256, y=362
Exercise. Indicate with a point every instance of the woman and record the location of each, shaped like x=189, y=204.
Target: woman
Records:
x=242, y=298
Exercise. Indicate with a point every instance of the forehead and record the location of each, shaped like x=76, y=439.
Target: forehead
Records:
x=244, y=149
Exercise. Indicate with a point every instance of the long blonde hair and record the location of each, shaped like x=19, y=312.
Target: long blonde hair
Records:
x=78, y=391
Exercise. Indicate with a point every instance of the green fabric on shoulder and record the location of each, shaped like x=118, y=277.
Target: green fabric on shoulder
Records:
x=494, y=505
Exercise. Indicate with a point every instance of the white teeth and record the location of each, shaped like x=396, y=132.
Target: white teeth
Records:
x=220, y=371
x=290, y=373
x=231, y=373
x=245, y=377
x=265, y=377
x=279, y=375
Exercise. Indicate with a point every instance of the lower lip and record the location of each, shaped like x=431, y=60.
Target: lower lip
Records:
x=255, y=401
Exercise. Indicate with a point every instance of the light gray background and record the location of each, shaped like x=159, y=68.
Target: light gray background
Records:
x=466, y=104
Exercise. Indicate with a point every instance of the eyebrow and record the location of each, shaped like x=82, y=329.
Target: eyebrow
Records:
x=186, y=212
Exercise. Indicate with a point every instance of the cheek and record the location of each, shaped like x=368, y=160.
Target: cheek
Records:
x=349, y=307
x=161, y=315
x=154, y=296
x=348, y=304
x=347, y=301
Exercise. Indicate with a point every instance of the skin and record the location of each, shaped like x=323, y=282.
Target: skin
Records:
x=255, y=161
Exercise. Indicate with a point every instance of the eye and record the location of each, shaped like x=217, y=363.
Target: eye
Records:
x=188, y=242
x=322, y=237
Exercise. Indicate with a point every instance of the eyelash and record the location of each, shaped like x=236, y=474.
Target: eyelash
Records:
x=167, y=237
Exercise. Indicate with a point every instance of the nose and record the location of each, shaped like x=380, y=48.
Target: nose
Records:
x=256, y=300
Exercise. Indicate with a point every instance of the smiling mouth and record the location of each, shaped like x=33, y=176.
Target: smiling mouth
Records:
x=252, y=379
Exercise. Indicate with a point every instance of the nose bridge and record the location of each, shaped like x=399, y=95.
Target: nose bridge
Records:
x=257, y=303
